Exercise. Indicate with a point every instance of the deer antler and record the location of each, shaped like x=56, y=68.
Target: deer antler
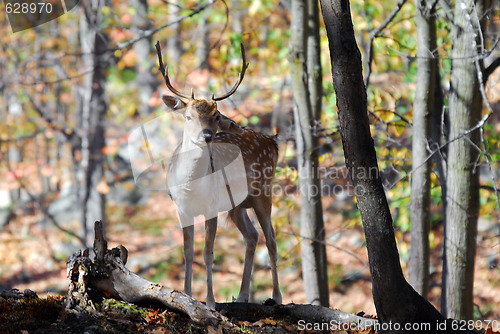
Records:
x=242, y=74
x=164, y=72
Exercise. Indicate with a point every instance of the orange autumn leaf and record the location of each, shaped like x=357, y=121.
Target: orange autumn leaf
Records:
x=126, y=18
x=268, y=321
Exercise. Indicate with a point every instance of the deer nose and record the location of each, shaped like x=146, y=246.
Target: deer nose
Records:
x=207, y=135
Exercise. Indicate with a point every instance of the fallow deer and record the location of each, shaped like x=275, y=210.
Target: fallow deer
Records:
x=204, y=151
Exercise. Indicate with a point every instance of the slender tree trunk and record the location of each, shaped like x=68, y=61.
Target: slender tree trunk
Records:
x=314, y=72
x=439, y=130
x=420, y=181
x=395, y=300
x=203, y=47
x=93, y=115
x=146, y=80
x=311, y=213
x=14, y=155
x=174, y=43
x=462, y=169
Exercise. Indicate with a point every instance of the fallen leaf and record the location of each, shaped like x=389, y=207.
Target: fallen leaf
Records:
x=259, y=323
x=268, y=321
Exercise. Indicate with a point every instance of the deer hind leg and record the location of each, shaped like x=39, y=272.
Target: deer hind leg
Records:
x=208, y=255
x=263, y=212
x=251, y=236
x=188, y=233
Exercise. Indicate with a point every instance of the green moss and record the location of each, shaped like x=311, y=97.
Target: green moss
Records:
x=130, y=309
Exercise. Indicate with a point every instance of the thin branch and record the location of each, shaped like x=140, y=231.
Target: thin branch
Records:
x=219, y=39
x=151, y=32
x=22, y=138
x=51, y=217
x=395, y=113
x=490, y=69
x=446, y=6
x=64, y=130
x=120, y=46
x=43, y=209
x=479, y=125
x=484, y=53
x=78, y=75
x=374, y=34
x=489, y=188
x=348, y=252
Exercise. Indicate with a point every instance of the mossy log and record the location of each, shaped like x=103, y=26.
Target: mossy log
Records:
x=93, y=275
x=105, y=273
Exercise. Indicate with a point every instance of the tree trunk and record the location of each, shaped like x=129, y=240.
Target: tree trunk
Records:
x=203, y=46
x=439, y=130
x=146, y=80
x=311, y=214
x=94, y=111
x=174, y=43
x=14, y=155
x=314, y=72
x=462, y=171
x=420, y=180
x=398, y=305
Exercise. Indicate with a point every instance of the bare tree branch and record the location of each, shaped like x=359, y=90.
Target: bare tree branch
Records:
x=490, y=69
x=25, y=137
x=374, y=33
x=151, y=32
x=66, y=131
x=446, y=6
x=39, y=203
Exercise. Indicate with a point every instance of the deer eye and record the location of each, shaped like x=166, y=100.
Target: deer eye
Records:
x=217, y=118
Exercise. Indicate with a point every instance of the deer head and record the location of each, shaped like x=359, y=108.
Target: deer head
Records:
x=202, y=118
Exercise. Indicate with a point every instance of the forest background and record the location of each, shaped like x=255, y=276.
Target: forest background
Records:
x=65, y=159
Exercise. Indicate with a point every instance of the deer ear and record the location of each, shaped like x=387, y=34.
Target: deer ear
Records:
x=174, y=104
x=228, y=125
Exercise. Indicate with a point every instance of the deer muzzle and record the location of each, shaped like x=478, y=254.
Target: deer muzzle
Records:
x=207, y=135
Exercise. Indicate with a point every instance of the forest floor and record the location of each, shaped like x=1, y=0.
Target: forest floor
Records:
x=32, y=256
x=30, y=314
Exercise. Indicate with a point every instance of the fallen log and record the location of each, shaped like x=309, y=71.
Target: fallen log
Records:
x=106, y=274
x=303, y=315
x=101, y=272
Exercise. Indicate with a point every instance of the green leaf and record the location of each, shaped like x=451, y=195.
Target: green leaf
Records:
x=283, y=53
x=254, y=119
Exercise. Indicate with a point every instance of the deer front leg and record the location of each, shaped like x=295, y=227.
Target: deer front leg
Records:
x=208, y=255
x=188, y=233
